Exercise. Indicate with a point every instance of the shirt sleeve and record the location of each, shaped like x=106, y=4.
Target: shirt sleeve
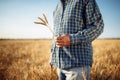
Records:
x=93, y=24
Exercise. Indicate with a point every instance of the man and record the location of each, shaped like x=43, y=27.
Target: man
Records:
x=76, y=24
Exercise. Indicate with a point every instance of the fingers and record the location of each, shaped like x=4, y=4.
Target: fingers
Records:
x=59, y=41
x=59, y=45
x=58, y=38
x=62, y=41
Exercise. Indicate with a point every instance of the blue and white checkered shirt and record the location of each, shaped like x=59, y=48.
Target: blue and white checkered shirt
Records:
x=82, y=20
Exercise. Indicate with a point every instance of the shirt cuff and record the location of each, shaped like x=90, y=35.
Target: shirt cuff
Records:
x=76, y=38
x=73, y=39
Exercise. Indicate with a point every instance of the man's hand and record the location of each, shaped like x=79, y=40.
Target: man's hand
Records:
x=63, y=40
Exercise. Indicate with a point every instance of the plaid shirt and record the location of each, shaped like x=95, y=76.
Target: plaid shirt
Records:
x=82, y=20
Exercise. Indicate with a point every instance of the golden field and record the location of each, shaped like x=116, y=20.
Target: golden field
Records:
x=29, y=60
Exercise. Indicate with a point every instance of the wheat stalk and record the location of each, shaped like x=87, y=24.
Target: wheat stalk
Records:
x=44, y=21
x=83, y=75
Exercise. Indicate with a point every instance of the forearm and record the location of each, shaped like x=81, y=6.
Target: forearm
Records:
x=87, y=35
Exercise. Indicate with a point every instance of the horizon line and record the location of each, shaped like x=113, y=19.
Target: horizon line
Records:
x=46, y=38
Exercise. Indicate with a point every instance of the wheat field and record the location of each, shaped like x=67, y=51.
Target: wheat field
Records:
x=29, y=60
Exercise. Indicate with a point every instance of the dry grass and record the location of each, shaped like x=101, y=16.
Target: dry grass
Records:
x=29, y=60
x=106, y=64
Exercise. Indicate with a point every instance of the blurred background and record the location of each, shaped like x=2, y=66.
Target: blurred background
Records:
x=25, y=46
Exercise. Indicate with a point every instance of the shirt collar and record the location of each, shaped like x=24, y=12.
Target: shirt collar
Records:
x=67, y=1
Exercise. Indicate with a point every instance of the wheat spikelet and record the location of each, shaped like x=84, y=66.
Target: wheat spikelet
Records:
x=45, y=18
x=43, y=21
x=40, y=23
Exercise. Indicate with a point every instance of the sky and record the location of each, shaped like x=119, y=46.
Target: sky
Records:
x=17, y=18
